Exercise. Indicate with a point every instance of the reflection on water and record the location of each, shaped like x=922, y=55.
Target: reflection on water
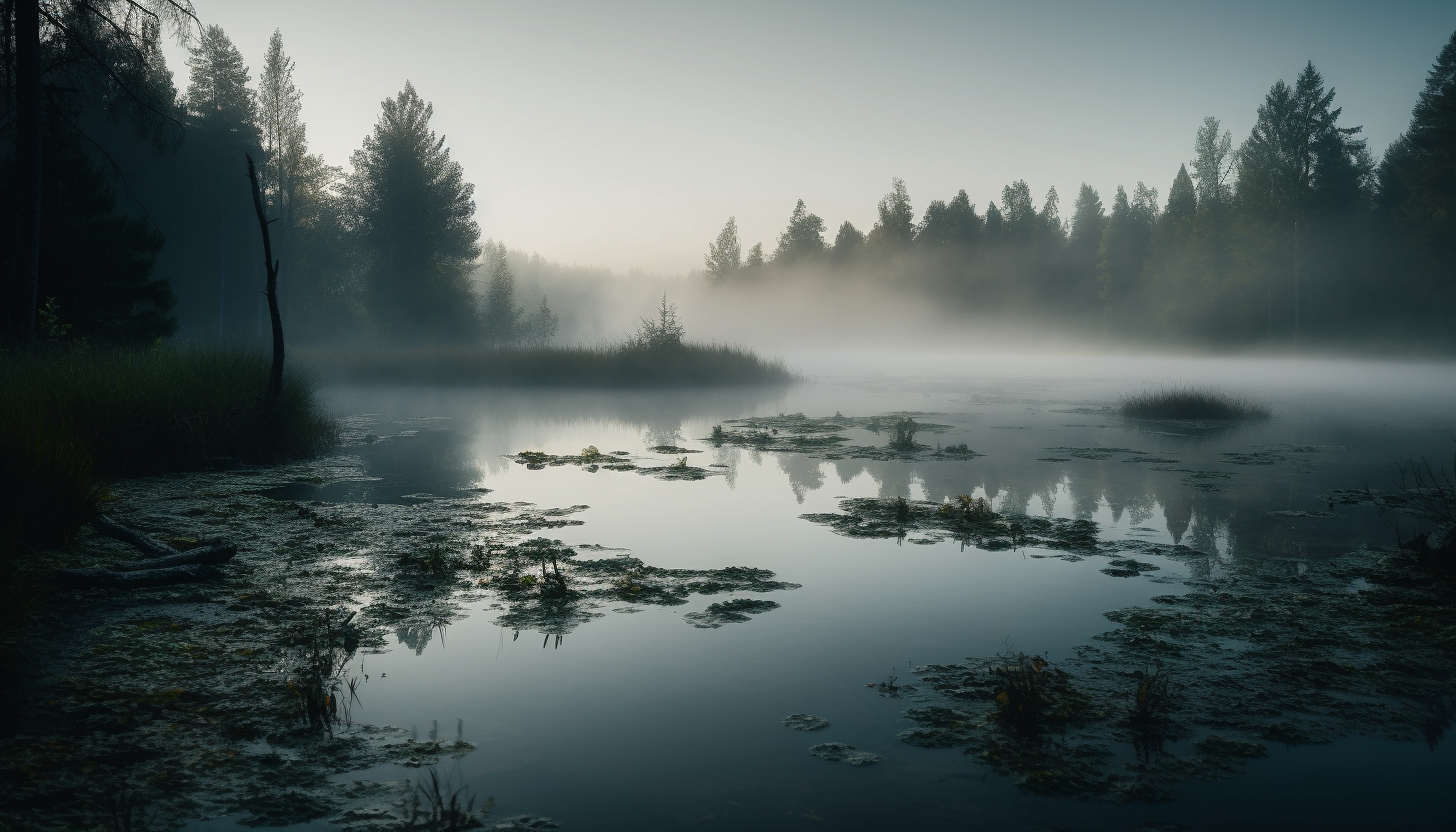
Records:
x=646, y=719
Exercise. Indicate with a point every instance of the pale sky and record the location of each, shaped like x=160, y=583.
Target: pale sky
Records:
x=625, y=134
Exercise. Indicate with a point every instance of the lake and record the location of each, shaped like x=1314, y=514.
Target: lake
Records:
x=625, y=714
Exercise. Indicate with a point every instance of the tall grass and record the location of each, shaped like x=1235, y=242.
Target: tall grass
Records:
x=1190, y=403
x=71, y=419
x=633, y=364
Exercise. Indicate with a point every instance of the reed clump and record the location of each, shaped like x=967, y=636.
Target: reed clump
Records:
x=1182, y=402
x=636, y=363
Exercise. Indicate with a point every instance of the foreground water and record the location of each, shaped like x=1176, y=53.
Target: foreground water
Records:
x=636, y=719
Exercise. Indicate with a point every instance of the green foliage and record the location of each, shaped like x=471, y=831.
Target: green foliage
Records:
x=725, y=254
x=952, y=223
x=802, y=241
x=895, y=228
x=664, y=332
x=73, y=418
x=218, y=94
x=848, y=243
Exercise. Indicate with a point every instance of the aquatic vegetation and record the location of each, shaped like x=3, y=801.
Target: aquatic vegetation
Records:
x=437, y=807
x=805, y=722
x=1127, y=568
x=1190, y=403
x=735, y=611
x=1267, y=652
x=234, y=697
x=972, y=522
x=842, y=753
x=824, y=437
x=592, y=460
x=903, y=437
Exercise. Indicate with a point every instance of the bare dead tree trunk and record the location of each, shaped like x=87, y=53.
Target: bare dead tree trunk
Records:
x=275, y=373
x=23, y=293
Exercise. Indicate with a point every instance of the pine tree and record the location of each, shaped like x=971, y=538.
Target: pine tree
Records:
x=411, y=211
x=1418, y=173
x=280, y=109
x=725, y=255
x=218, y=96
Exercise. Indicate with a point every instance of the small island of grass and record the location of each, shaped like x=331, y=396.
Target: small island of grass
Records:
x=1187, y=403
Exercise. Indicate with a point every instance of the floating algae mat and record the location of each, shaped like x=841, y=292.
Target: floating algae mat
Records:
x=644, y=622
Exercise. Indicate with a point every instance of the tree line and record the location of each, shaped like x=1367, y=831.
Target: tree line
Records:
x=146, y=219
x=1295, y=236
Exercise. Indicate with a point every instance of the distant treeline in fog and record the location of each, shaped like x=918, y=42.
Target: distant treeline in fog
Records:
x=1296, y=235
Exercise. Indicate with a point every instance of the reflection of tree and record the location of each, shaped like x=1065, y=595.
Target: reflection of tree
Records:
x=805, y=473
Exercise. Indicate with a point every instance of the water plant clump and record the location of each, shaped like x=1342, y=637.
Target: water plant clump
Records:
x=593, y=460
x=1191, y=403
x=970, y=521
x=826, y=437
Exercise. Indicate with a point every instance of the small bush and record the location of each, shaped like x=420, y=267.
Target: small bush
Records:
x=1190, y=403
x=904, y=433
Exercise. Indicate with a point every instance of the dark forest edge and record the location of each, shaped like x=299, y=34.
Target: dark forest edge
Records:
x=74, y=418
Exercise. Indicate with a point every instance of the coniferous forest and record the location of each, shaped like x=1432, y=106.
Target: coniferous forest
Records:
x=1297, y=235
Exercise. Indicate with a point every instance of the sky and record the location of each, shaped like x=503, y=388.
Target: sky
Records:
x=625, y=134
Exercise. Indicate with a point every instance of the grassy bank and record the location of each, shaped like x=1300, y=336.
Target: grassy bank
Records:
x=628, y=365
x=72, y=419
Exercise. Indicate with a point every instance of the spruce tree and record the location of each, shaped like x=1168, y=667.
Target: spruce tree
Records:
x=412, y=215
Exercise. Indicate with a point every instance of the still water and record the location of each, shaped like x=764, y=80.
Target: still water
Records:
x=638, y=720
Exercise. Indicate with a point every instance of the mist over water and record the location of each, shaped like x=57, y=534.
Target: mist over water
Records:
x=636, y=720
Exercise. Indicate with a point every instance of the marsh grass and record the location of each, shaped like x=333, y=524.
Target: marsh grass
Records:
x=634, y=364
x=1191, y=403
x=70, y=419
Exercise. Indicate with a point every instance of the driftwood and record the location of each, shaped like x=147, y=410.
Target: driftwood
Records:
x=168, y=566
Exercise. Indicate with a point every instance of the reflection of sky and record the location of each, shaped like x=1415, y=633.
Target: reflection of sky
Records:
x=641, y=721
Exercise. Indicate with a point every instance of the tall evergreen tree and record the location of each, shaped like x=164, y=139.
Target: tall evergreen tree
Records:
x=101, y=53
x=1020, y=222
x=218, y=96
x=1295, y=145
x=411, y=211
x=1418, y=186
x=284, y=139
x=725, y=254
x=1088, y=220
x=1122, y=252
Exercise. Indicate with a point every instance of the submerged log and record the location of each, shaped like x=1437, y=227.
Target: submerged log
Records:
x=137, y=579
x=167, y=567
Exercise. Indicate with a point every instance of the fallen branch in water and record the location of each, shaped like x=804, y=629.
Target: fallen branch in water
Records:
x=168, y=566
